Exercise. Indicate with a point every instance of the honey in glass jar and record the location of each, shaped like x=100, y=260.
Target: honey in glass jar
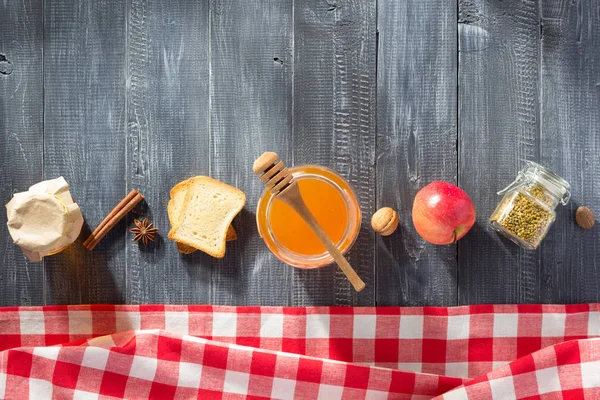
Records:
x=333, y=203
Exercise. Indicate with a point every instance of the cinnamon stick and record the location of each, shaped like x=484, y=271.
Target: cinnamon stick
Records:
x=121, y=210
x=119, y=206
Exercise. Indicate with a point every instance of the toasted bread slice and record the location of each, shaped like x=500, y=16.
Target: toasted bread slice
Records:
x=185, y=249
x=174, y=210
x=206, y=214
x=231, y=234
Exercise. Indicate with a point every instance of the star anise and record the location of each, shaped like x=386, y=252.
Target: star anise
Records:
x=143, y=231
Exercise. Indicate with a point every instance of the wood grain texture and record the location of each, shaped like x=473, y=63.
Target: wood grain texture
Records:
x=334, y=126
x=167, y=140
x=84, y=112
x=115, y=95
x=251, y=112
x=21, y=137
x=498, y=80
x=570, y=145
x=416, y=143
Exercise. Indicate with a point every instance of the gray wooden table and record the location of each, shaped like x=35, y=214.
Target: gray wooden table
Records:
x=115, y=94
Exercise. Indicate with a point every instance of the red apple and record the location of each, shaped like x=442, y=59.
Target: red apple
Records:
x=442, y=213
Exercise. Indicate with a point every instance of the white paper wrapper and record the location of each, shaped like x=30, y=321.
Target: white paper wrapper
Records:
x=44, y=219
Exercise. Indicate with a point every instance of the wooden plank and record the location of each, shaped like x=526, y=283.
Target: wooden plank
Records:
x=334, y=126
x=251, y=103
x=21, y=137
x=167, y=139
x=570, y=145
x=416, y=134
x=498, y=80
x=84, y=110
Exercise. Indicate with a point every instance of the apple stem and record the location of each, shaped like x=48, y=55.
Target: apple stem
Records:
x=454, y=240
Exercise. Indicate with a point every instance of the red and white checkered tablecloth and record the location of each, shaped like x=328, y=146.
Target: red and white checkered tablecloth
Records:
x=163, y=352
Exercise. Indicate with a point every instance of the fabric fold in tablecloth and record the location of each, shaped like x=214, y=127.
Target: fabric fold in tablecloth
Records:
x=490, y=351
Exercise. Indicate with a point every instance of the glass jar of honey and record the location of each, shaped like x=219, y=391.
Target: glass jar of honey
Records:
x=331, y=200
x=527, y=209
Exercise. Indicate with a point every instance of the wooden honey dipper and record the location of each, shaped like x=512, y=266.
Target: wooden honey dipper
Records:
x=278, y=180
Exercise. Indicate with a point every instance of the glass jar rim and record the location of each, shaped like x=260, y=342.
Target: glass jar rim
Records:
x=550, y=180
